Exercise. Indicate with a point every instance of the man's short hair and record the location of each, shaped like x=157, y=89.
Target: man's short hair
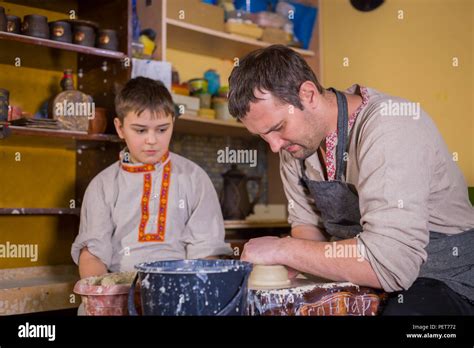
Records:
x=277, y=69
x=140, y=94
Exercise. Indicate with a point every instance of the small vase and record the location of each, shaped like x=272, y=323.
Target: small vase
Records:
x=98, y=123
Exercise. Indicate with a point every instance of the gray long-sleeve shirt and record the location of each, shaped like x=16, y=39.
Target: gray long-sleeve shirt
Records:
x=408, y=184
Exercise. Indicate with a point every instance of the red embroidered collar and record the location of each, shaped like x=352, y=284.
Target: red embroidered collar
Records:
x=142, y=168
x=331, y=139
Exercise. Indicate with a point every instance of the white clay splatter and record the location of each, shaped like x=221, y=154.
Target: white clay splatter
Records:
x=145, y=282
x=202, y=276
x=180, y=304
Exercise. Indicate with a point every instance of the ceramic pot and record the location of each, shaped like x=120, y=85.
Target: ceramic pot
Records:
x=13, y=24
x=83, y=35
x=35, y=25
x=107, y=39
x=234, y=199
x=3, y=20
x=60, y=31
x=4, y=102
x=98, y=124
x=197, y=86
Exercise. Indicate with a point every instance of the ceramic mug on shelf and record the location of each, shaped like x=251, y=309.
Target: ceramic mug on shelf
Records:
x=84, y=35
x=98, y=123
x=35, y=25
x=4, y=102
x=60, y=31
x=13, y=24
x=107, y=39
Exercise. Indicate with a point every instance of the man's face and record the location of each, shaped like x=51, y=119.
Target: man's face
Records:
x=285, y=127
x=147, y=137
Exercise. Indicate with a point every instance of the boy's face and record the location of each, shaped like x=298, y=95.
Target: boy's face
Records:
x=147, y=137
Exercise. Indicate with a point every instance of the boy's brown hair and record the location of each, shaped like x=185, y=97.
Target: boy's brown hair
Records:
x=140, y=94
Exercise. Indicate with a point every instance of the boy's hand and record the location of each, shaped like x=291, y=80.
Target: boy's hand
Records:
x=90, y=265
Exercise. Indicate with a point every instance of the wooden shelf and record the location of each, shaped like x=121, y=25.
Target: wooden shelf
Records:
x=16, y=130
x=184, y=124
x=241, y=224
x=38, y=289
x=229, y=224
x=203, y=126
x=61, y=45
x=196, y=39
x=39, y=211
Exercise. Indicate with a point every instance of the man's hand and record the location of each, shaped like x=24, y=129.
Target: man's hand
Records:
x=262, y=251
x=309, y=256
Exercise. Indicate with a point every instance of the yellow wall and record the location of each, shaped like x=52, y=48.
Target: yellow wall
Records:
x=192, y=66
x=411, y=58
x=42, y=178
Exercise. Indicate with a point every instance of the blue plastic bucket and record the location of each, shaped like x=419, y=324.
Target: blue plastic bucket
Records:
x=191, y=287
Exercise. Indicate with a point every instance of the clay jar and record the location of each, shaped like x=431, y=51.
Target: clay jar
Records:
x=13, y=24
x=98, y=124
x=60, y=31
x=107, y=39
x=83, y=35
x=35, y=25
x=3, y=20
x=4, y=102
x=269, y=277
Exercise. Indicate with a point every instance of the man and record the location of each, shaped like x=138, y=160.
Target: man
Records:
x=362, y=172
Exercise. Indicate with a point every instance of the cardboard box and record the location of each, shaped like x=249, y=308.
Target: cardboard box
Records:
x=190, y=103
x=244, y=29
x=276, y=36
x=197, y=12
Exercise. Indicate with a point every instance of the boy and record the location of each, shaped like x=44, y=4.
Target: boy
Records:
x=150, y=205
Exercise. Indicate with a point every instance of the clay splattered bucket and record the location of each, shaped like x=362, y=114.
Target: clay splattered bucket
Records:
x=192, y=287
x=98, y=299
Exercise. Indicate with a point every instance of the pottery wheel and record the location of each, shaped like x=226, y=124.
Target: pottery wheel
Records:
x=269, y=277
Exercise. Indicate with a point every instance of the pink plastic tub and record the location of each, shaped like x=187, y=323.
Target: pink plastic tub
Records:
x=103, y=299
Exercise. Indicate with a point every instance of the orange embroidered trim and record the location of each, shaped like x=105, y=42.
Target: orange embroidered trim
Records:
x=143, y=168
x=159, y=236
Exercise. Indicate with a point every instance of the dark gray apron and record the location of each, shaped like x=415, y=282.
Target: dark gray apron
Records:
x=450, y=257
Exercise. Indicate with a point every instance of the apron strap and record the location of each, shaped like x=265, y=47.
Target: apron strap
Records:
x=342, y=132
x=303, y=178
